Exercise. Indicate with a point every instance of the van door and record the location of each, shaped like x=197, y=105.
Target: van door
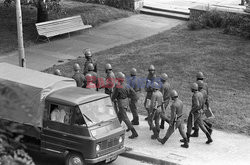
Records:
x=56, y=134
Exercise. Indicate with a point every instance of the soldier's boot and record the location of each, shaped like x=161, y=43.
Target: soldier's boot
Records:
x=183, y=140
x=135, y=121
x=162, y=124
x=134, y=134
x=127, y=130
x=156, y=133
x=209, y=139
x=185, y=145
x=210, y=131
x=163, y=140
x=195, y=133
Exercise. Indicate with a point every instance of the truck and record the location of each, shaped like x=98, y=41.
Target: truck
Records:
x=59, y=118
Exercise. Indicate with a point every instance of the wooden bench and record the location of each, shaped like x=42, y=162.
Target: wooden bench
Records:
x=61, y=26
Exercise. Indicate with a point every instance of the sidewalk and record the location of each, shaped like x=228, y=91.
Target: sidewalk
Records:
x=227, y=148
x=103, y=37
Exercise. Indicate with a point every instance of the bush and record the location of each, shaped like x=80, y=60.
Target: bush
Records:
x=230, y=23
x=120, y=4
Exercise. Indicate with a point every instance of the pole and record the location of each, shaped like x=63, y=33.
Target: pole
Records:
x=22, y=61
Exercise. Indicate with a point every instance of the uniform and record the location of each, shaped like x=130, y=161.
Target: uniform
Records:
x=149, y=90
x=85, y=69
x=121, y=92
x=109, y=83
x=94, y=77
x=165, y=90
x=80, y=79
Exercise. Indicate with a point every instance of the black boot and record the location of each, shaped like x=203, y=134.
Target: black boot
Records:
x=134, y=134
x=127, y=130
x=162, y=141
x=162, y=124
x=156, y=133
x=185, y=145
x=195, y=134
x=135, y=121
x=209, y=139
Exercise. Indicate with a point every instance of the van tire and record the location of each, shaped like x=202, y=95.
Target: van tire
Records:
x=73, y=156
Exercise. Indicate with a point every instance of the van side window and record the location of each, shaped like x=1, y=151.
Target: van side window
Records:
x=79, y=120
x=59, y=113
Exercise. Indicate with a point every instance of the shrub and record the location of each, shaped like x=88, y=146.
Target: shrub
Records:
x=120, y=4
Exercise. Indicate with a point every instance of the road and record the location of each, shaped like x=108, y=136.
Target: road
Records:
x=42, y=159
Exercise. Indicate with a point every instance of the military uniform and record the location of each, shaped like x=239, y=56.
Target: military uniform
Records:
x=176, y=121
x=80, y=79
x=90, y=60
x=94, y=77
x=135, y=84
x=195, y=115
x=156, y=109
x=109, y=83
x=121, y=92
x=165, y=90
x=149, y=90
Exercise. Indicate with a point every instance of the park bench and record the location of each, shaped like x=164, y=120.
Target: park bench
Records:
x=60, y=26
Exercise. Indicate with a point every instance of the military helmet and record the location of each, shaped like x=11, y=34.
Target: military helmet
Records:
x=89, y=77
x=164, y=76
x=133, y=72
x=87, y=53
x=90, y=67
x=108, y=67
x=200, y=84
x=200, y=75
x=155, y=85
x=120, y=76
x=173, y=93
x=151, y=68
x=57, y=72
x=76, y=67
x=194, y=86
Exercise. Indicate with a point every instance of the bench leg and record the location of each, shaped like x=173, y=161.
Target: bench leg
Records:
x=69, y=35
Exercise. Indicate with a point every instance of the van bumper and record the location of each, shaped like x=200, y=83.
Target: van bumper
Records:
x=106, y=157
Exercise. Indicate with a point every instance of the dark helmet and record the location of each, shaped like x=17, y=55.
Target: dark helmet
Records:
x=133, y=72
x=164, y=76
x=120, y=76
x=173, y=93
x=200, y=84
x=194, y=86
x=57, y=72
x=87, y=53
x=151, y=68
x=76, y=67
x=108, y=67
x=90, y=67
x=200, y=75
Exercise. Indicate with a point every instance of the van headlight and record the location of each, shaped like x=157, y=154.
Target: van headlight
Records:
x=98, y=147
x=120, y=139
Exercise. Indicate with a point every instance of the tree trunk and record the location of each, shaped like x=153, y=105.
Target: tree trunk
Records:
x=42, y=11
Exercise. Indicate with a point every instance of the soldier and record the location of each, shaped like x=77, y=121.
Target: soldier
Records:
x=200, y=77
x=120, y=94
x=176, y=120
x=156, y=108
x=90, y=84
x=135, y=84
x=196, y=113
x=110, y=80
x=165, y=90
x=91, y=71
x=88, y=56
x=78, y=77
x=57, y=72
x=150, y=79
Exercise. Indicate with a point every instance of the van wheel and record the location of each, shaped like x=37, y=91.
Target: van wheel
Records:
x=74, y=159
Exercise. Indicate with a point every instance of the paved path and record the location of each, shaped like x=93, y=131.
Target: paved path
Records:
x=103, y=37
x=227, y=148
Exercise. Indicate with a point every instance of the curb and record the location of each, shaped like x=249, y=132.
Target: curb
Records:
x=129, y=153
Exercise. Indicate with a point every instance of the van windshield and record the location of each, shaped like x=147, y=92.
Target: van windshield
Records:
x=98, y=111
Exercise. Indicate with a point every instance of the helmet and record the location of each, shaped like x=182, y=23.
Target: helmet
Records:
x=194, y=86
x=76, y=67
x=90, y=67
x=57, y=72
x=108, y=67
x=200, y=75
x=155, y=85
x=89, y=77
x=87, y=53
x=151, y=68
x=133, y=72
x=164, y=76
x=174, y=93
x=120, y=76
x=200, y=84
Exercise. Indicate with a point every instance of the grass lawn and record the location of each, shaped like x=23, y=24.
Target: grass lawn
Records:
x=92, y=14
x=181, y=53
